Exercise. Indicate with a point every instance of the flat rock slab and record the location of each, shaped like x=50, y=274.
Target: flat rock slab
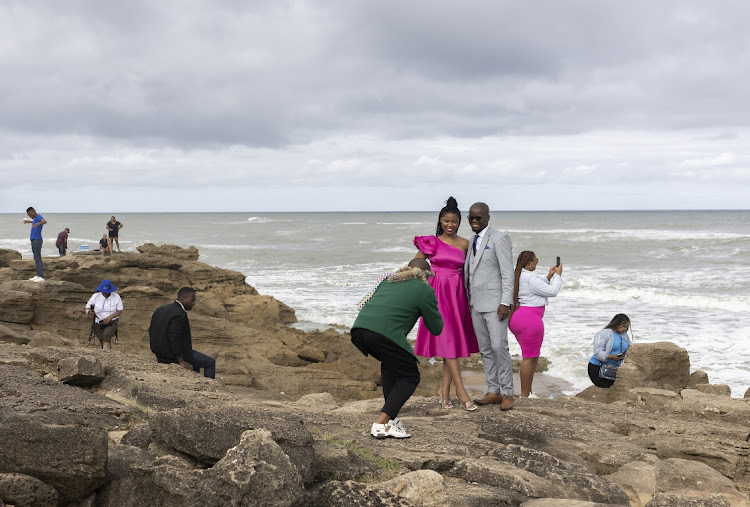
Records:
x=23, y=391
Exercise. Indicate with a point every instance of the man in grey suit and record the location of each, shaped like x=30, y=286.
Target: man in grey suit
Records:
x=488, y=274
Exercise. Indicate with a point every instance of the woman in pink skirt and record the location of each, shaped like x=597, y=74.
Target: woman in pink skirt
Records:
x=530, y=296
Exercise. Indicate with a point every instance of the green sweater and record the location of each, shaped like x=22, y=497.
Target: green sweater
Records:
x=395, y=308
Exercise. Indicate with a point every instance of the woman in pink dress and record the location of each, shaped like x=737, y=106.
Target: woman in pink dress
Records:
x=446, y=252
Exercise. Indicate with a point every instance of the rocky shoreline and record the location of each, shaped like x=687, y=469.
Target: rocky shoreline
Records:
x=287, y=421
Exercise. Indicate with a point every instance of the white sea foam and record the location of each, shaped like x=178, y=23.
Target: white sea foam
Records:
x=395, y=249
x=633, y=234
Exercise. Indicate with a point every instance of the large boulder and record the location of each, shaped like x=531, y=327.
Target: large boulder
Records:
x=255, y=472
x=26, y=491
x=661, y=365
x=207, y=433
x=70, y=459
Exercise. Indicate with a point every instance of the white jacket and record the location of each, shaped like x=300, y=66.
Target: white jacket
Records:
x=534, y=290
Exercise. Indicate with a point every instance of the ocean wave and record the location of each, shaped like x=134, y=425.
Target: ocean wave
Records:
x=403, y=223
x=583, y=235
x=265, y=220
x=236, y=247
x=394, y=249
x=659, y=297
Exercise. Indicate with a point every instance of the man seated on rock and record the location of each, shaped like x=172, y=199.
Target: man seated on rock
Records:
x=171, y=341
x=380, y=331
x=107, y=306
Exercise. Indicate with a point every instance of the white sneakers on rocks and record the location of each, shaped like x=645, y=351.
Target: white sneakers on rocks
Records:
x=393, y=428
x=36, y=279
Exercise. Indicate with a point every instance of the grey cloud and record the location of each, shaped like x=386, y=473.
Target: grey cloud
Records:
x=280, y=73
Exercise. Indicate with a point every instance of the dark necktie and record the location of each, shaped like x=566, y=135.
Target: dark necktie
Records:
x=476, y=239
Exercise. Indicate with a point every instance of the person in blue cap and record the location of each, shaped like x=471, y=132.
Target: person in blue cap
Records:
x=107, y=307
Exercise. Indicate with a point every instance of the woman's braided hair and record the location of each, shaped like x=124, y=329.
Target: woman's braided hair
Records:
x=451, y=206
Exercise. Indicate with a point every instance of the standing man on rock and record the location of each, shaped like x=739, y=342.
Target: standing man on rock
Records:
x=113, y=226
x=108, y=307
x=380, y=331
x=488, y=273
x=62, y=241
x=171, y=341
x=37, y=222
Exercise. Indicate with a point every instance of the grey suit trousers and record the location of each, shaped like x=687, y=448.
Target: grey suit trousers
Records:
x=492, y=337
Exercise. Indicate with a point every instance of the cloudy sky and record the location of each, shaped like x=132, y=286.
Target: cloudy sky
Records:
x=221, y=105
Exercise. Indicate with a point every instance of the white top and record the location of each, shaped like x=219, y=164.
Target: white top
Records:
x=533, y=290
x=104, y=307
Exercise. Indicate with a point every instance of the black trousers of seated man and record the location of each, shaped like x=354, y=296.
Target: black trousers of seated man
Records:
x=398, y=368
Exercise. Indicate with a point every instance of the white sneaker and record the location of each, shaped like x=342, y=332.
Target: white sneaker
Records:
x=396, y=423
x=533, y=396
x=379, y=430
x=33, y=278
x=394, y=429
x=37, y=279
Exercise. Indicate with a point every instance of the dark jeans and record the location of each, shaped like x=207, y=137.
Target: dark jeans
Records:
x=397, y=367
x=596, y=379
x=208, y=364
x=36, y=249
x=61, y=249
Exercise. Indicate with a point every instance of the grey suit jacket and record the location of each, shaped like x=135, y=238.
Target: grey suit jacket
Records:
x=489, y=274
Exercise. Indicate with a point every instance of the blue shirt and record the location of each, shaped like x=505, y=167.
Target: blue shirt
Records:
x=36, y=232
x=607, y=342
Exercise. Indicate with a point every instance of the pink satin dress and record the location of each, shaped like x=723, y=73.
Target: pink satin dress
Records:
x=458, y=338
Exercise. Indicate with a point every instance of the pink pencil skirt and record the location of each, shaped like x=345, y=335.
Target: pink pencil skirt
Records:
x=528, y=328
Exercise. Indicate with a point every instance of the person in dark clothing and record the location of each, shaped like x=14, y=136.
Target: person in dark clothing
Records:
x=380, y=331
x=171, y=341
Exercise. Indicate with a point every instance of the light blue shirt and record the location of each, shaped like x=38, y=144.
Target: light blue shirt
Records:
x=607, y=342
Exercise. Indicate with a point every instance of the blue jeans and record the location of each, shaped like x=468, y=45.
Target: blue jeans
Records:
x=36, y=249
x=208, y=364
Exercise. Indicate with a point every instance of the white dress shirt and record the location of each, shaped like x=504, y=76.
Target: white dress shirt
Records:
x=104, y=307
x=534, y=290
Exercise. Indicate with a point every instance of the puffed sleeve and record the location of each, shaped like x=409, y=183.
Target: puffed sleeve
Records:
x=426, y=244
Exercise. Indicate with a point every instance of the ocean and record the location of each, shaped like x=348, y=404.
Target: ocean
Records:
x=681, y=276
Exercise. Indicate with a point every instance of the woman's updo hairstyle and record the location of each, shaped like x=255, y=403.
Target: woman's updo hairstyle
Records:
x=451, y=206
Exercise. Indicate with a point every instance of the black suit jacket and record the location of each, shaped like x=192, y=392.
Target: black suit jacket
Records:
x=169, y=334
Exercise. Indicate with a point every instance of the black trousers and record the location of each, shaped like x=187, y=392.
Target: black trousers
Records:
x=397, y=367
x=596, y=379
